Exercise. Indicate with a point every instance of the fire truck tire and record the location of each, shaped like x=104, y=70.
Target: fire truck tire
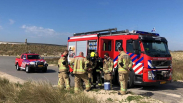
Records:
x=116, y=77
x=17, y=67
x=27, y=69
x=131, y=79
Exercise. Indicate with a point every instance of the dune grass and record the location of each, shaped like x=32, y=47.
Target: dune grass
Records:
x=39, y=92
x=177, y=65
x=18, y=49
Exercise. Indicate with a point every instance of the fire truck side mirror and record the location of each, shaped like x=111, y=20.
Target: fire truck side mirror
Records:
x=136, y=46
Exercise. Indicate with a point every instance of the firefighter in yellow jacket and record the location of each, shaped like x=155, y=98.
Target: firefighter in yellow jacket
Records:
x=107, y=69
x=124, y=65
x=91, y=64
x=63, y=71
x=79, y=70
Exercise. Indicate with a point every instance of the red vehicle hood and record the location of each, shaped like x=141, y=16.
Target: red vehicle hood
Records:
x=41, y=60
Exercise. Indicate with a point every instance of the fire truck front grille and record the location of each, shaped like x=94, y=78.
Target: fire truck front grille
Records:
x=161, y=63
x=162, y=75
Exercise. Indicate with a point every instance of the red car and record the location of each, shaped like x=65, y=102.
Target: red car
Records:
x=31, y=62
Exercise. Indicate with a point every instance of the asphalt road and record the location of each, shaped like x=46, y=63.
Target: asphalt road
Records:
x=7, y=65
x=168, y=93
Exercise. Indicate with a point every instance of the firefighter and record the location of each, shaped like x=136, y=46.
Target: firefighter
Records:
x=107, y=69
x=63, y=71
x=79, y=70
x=124, y=65
x=97, y=71
x=91, y=64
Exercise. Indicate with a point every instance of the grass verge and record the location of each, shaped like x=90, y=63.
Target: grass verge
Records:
x=40, y=92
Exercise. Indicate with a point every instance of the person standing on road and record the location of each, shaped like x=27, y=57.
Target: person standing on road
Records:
x=63, y=71
x=97, y=71
x=124, y=66
x=79, y=70
x=107, y=69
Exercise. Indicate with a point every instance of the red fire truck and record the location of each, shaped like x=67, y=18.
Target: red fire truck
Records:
x=148, y=51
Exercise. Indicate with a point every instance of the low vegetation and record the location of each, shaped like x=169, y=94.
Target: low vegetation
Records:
x=136, y=98
x=41, y=92
x=18, y=49
x=52, y=60
x=177, y=65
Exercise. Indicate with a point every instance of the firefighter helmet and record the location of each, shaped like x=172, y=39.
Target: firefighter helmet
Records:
x=92, y=54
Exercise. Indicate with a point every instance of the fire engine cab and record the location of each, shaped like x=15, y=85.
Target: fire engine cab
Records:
x=148, y=51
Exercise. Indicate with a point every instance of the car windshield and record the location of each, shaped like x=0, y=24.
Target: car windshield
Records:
x=33, y=56
x=155, y=47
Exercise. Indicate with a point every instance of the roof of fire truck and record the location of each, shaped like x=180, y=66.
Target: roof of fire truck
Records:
x=113, y=31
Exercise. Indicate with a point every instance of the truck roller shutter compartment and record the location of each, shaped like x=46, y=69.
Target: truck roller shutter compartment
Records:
x=81, y=46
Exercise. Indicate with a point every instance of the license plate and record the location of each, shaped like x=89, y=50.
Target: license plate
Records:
x=163, y=82
x=40, y=65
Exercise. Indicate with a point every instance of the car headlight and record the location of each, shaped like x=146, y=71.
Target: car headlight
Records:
x=32, y=63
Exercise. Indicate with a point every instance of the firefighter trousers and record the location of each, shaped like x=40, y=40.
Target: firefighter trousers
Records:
x=108, y=78
x=123, y=79
x=63, y=80
x=90, y=76
x=77, y=81
x=97, y=77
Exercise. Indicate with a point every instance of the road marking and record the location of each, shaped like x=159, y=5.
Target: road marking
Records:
x=170, y=94
x=164, y=93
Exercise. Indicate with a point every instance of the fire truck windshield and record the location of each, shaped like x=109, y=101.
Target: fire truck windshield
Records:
x=156, y=48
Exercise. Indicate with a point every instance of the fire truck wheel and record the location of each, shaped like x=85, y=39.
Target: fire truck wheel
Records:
x=131, y=79
x=116, y=77
x=17, y=67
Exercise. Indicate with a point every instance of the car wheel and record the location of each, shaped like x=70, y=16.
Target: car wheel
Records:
x=27, y=69
x=17, y=67
x=44, y=70
x=33, y=70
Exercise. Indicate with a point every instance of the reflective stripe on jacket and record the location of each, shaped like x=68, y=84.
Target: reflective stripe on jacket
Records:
x=79, y=65
x=63, y=68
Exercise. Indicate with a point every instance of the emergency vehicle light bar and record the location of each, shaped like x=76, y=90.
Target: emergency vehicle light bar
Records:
x=93, y=32
x=147, y=33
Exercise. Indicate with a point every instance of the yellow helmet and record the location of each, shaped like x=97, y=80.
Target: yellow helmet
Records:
x=92, y=54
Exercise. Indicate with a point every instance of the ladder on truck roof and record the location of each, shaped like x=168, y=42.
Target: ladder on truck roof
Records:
x=103, y=32
x=114, y=31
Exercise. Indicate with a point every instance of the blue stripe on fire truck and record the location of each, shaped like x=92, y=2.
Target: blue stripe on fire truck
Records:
x=136, y=65
x=150, y=64
x=139, y=60
x=115, y=58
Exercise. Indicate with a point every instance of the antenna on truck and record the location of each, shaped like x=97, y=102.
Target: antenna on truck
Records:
x=93, y=32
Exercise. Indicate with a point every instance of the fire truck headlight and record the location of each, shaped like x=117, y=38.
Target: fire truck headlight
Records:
x=150, y=75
